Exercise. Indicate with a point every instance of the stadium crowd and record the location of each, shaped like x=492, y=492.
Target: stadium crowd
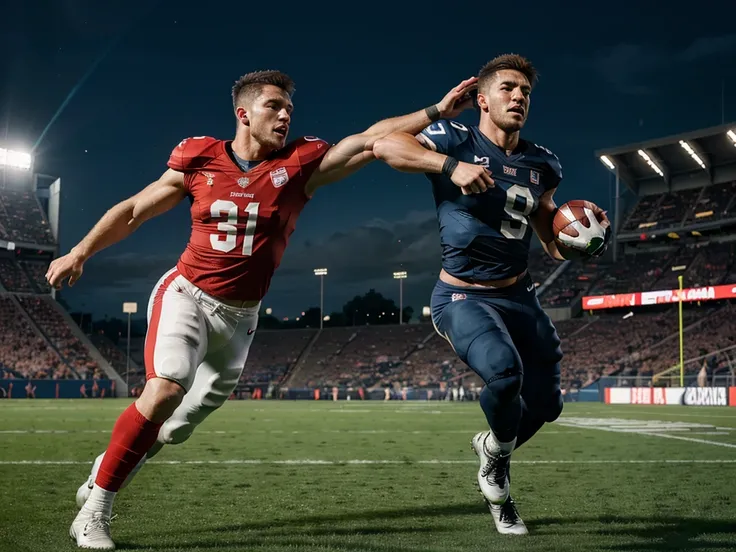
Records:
x=704, y=204
x=40, y=341
x=22, y=219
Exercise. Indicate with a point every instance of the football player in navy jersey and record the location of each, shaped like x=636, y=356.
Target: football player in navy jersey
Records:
x=492, y=189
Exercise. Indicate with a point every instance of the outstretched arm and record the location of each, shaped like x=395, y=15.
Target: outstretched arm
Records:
x=354, y=152
x=415, y=154
x=117, y=224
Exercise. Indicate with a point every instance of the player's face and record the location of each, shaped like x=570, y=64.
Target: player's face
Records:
x=506, y=100
x=269, y=116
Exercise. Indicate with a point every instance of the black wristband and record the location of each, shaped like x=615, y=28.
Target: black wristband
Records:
x=433, y=113
x=449, y=166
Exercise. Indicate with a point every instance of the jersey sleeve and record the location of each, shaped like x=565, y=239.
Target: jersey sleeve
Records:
x=555, y=172
x=311, y=151
x=191, y=154
x=554, y=168
x=444, y=135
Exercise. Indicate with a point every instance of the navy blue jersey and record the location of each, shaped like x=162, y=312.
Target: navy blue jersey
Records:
x=486, y=236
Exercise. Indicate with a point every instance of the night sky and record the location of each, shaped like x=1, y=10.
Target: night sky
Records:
x=141, y=75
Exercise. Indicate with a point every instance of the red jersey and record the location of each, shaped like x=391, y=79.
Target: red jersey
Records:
x=241, y=221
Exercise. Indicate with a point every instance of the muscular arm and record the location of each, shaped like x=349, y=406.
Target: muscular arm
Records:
x=415, y=154
x=407, y=153
x=125, y=217
x=117, y=224
x=356, y=151
x=541, y=222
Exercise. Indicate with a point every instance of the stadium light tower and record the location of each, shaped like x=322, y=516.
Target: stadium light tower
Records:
x=128, y=308
x=732, y=135
x=644, y=155
x=15, y=159
x=607, y=162
x=401, y=276
x=692, y=153
x=321, y=272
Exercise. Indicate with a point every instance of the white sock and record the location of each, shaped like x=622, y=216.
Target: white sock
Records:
x=494, y=446
x=100, y=500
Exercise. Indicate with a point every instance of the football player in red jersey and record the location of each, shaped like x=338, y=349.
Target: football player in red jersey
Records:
x=246, y=195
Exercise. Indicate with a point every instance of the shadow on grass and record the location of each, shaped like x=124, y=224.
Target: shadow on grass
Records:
x=340, y=532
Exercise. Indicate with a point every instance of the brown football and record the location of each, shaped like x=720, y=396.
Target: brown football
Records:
x=566, y=215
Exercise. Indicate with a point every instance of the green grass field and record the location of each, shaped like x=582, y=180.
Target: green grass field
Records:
x=378, y=477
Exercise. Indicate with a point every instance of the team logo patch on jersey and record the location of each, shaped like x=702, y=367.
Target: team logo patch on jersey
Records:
x=482, y=161
x=279, y=177
x=511, y=171
x=534, y=177
x=459, y=296
x=210, y=178
x=243, y=181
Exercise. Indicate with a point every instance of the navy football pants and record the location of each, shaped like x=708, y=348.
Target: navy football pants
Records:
x=505, y=336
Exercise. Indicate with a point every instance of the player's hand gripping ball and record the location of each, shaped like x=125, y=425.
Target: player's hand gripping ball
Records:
x=581, y=229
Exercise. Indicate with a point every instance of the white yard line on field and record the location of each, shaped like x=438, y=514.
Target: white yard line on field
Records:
x=469, y=432
x=313, y=462
x=651, y=428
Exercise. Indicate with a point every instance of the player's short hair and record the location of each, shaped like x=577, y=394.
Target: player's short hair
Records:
x=514, y=62
x=249, y=86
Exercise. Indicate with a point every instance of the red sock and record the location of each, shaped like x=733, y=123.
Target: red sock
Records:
x=132, y=436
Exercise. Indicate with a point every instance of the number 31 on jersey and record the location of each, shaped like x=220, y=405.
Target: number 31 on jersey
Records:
x=226, y=243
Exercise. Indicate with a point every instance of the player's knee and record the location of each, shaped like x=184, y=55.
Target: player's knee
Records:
x=181, y=425
x=159, y=399
x=501, y=367
x=505, y=386
x=175, y=432
x=493, y=359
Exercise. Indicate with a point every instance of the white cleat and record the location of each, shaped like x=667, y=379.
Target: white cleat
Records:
x=85, y=489
x=507, y=520
x=493, y=480
x=92, y=531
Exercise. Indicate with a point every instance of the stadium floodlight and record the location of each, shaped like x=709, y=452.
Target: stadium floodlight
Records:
x=321, y=272
x=401, y=276
x=129, y=308
x=607, y=162
x=15, y=159
x=732, y=135
x=691, y=152
x=651, y=163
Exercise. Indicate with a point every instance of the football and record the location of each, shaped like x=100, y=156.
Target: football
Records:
x=578, y=232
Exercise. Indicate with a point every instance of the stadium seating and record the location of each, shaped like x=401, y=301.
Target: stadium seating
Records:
x=710, y=203
x=39, y=342
x=21, y=218
x=13, y=278
x=715, y=203
x=24, y=351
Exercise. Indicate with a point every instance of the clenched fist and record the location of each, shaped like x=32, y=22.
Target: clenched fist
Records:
x=472, y=179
